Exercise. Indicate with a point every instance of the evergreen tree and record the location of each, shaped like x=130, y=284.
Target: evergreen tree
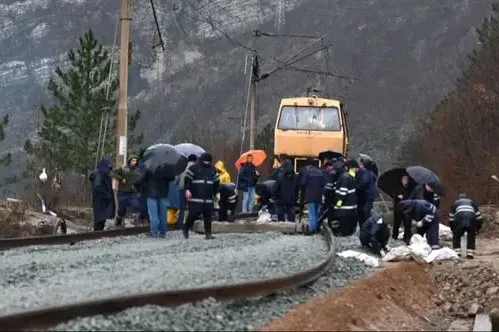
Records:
x=7, y=158
x=69, y=133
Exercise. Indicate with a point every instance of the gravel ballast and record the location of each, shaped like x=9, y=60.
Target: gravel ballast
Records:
x=211, y=315
x=35, y=277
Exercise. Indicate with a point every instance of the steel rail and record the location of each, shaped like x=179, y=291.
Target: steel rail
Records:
x=11, y=243
x=49, y=317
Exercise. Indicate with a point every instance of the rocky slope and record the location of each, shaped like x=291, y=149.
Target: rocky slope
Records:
x=406, y=52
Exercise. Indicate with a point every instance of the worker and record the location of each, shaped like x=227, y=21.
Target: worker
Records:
x=425, y=191
x=191, y=160
x=127, y=193
x=374, y=234
x=265, y=197
x=222, y=172
x=312, y=183
x=227, y=202
x=401, y=193
x=365, y=192
x=464, y=217
x=345, y=203
x=425, y=218
x=331, y=176
x=201, y=185
x=285, y=192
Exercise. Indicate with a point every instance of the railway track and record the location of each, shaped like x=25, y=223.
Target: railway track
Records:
x=6, y=244
x=49, y=317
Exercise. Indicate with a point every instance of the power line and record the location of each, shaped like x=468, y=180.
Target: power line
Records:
x=157, y=27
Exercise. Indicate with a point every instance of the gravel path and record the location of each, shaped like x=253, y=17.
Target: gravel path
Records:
x=211, y=315
x=55, y=275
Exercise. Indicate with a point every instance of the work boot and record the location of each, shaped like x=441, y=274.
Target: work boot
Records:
x=209, y=237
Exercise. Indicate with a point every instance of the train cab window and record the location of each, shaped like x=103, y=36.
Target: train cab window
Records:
x=309, y=118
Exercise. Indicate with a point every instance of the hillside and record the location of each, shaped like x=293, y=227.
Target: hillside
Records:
x=406, y=52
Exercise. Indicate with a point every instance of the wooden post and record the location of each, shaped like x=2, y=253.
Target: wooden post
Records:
x=121, y=118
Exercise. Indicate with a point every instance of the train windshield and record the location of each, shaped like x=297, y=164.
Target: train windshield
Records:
x=309, y=118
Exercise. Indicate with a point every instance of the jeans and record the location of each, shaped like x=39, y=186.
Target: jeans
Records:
x=157, y=215
x=313, y=215
x=249, y=200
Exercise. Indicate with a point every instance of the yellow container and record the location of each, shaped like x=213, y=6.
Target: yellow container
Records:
x=171, y=216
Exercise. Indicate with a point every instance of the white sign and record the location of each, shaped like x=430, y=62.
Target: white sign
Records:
x=122, y=145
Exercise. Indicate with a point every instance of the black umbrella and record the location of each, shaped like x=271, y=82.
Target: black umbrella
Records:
x=369, y=163
x=164, y=161
x=391, y=180
x=330, y=155
x=423, y=175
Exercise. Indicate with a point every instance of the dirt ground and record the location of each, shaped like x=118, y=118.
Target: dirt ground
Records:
x=407, y=296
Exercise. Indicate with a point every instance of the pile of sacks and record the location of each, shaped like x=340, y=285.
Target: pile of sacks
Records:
x=420, y=251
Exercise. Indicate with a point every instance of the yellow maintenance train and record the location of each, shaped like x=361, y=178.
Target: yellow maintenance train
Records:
x=307, y=126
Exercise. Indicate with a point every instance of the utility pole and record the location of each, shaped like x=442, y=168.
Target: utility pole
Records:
x=121, y=119
x=254, y=78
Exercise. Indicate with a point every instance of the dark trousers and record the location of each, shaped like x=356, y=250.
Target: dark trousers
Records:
x=344, y=226
x=99, y=225
x=126, y=200
x=431, y=232
x=458, y=232
x=286, y=212
x=364, y=212
x=194, y=212
x=398, y=219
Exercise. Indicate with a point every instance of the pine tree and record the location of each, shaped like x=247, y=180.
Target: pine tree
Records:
x=7, y=158
x=69, y=133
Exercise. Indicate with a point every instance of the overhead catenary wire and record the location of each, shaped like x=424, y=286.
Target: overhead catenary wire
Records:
x=161, y=43
x=105, y=113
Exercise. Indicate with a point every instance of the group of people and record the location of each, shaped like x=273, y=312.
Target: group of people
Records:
x=341, y=191
x=200, y=189
x=418, y=208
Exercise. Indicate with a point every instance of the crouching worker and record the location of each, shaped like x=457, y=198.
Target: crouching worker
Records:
x=425, y=218
x=464, y=217
x=201, y=185
x=264, y=191
x=374, y=234
x=227, y=202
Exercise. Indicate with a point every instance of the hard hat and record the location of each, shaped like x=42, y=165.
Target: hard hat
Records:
x=43, y=176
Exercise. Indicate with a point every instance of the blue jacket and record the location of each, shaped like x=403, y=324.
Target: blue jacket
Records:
x=286, y=186
x=421, y=210
x=312, y=183
x=375, y=233
x=366, y=186
x=247, y=177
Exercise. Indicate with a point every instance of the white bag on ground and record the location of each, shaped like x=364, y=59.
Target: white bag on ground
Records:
x=363, y=257
x=441, y=254
x=419, y=248
x=397, y=254
x=264, y=216
x=444, y=233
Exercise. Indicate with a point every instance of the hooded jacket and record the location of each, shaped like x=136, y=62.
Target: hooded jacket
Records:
x=102, y=191
x=127, y=175
x=224, y=175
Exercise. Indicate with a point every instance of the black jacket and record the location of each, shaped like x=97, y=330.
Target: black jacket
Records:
x=401, y=190
x=345, y=192
x=464, y=211
x=420, y=193
x=202, y=180
x=312, y=184
x=286, y=185
x=151, y=185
